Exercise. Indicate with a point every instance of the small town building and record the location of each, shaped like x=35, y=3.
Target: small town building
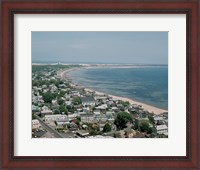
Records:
x=82, y=133
x=88, y=101
x=54, y=102
x=162, y=129
x=68, y=103
x=35, y=108
x=58, y=117
x=158, y=119
x=114, y=109
x=35, y=124
x=97, y=113
x=46, y=112
x=72, y=116
x=129, y=133
x=87, y=118
x=102, y=107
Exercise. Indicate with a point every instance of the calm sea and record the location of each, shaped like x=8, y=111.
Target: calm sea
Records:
x=145, y=84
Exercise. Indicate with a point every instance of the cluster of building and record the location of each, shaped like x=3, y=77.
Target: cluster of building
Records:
x=86, y=112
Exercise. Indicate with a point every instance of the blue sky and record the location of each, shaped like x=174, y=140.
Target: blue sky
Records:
x=100, y=47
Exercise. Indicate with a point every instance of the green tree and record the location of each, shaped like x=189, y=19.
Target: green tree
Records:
x=62, y=108
x=136, y=124
x=78, y=118
x=62, y=93
x=144, y=126
x=47, y=97
x=76, y=100
x=93, y=132
x=106, y=128
x=152, y=130
x=125, y=103
x=57, y=111
x=122, y=119
x=60, y=101
x=151, y=119
x=33, y=116
x=35, y=83
x=70, y=109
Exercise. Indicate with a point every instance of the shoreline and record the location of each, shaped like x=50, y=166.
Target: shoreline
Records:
x=64, y=75
x=145, y=106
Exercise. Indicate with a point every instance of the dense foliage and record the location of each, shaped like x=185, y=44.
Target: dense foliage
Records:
x=122, y=119
x=76, y=100
x=48, y=97
x=63, y=109
x=144, y=125
x=106, y=128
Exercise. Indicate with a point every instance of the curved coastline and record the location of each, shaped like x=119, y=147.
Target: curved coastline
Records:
x=65, y=75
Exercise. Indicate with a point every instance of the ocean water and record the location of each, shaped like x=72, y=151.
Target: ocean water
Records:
x=145, y=84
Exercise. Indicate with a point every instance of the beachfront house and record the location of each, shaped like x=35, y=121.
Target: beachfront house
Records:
x=132, y=110
x=111, y=103
x=120, y=106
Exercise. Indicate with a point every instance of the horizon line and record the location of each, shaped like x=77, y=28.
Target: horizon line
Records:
x=91, y=63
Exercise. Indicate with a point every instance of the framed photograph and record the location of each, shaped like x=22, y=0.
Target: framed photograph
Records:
x=100, y=84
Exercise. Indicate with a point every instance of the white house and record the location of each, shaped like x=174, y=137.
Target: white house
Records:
x=46, y=112
x=158, y=119
x=68, y=103
x=35, y=124
x=72, y=116
x=82, y=133
x=45, y=108
x=86, y=109
x=58, y=117
x=102, y=107
x=54, y=102
x=162, y=129
x=97, y=113
x=89, y=118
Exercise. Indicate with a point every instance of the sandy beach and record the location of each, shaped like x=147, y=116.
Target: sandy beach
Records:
x=64, y=74
x=155, y=110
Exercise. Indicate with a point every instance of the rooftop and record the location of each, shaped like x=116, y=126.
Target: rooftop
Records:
x=87, y=99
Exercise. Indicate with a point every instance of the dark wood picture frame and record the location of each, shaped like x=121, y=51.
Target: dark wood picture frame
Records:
x=11, y=7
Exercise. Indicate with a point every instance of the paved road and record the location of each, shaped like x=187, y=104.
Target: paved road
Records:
x=48, y=128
